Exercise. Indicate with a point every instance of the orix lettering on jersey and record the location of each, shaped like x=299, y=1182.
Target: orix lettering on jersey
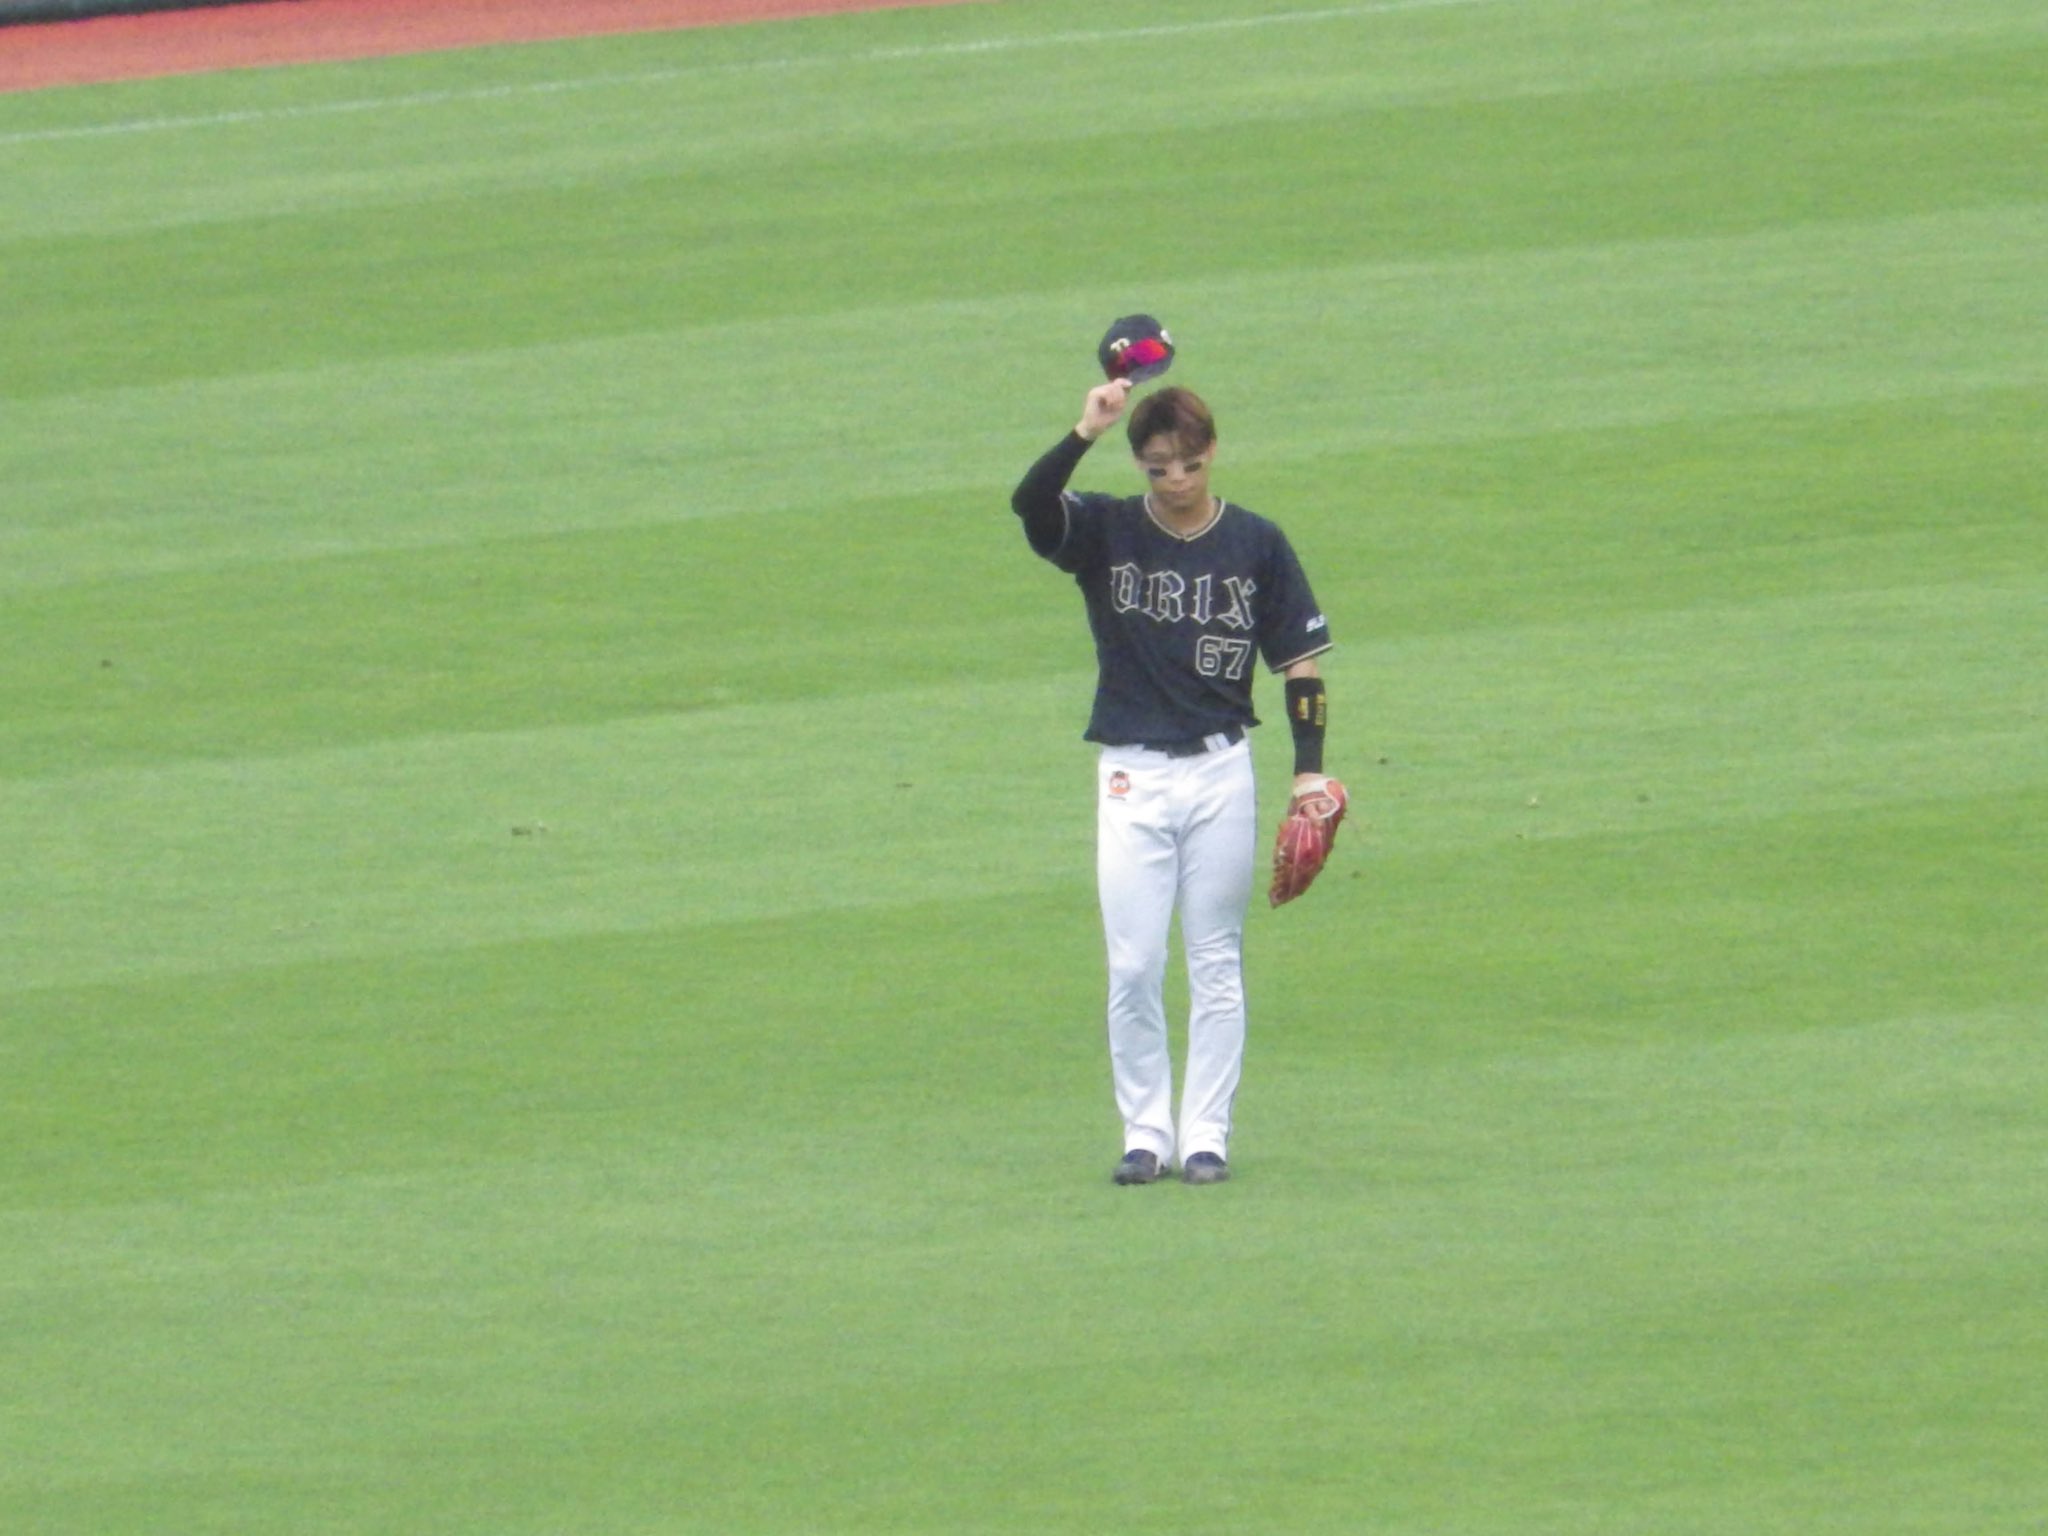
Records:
x=1167, y=597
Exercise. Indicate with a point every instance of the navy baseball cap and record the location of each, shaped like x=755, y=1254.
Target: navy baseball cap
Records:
x=1135, y=348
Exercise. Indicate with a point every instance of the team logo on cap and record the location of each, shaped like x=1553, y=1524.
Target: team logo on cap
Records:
x=1136, y=347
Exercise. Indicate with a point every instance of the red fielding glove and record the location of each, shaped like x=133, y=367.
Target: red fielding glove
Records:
x=1306, y=835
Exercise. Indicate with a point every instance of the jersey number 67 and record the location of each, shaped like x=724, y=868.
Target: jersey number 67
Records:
x=1219, y=655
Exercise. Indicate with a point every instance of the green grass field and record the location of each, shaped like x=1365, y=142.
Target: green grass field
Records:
x=549, y=979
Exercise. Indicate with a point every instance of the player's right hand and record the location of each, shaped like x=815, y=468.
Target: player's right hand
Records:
x=1104, y=406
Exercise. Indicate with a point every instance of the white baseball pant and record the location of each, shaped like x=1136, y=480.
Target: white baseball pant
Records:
x=1175, y=832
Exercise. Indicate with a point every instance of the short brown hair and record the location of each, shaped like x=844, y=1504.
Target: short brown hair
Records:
x=1176, y=412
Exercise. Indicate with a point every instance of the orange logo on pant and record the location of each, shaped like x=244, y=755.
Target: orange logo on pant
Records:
x=1119, y=784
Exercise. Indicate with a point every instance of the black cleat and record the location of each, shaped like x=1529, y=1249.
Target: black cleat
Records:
x=1138, y=1167
x=1204, y=1168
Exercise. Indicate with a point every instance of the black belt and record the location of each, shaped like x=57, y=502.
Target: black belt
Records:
x=1231, y=737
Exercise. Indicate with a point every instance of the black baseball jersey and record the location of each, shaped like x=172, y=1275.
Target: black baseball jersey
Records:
x=1177, y=620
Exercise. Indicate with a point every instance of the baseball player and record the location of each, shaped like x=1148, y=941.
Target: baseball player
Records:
x=1184, y=591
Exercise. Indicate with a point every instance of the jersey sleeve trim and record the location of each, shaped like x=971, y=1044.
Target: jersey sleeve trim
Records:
x=1282, y=666
x=1052, y=548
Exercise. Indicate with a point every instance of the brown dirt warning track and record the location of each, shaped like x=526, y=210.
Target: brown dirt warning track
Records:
x=43, y=54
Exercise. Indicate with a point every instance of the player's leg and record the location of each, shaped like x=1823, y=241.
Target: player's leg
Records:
x=1135, y=867
x=1218, y=852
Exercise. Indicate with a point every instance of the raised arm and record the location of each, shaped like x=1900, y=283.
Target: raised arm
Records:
x=1037, y=497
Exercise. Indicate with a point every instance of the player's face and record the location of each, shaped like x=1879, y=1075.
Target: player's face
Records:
x=1178, y=480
